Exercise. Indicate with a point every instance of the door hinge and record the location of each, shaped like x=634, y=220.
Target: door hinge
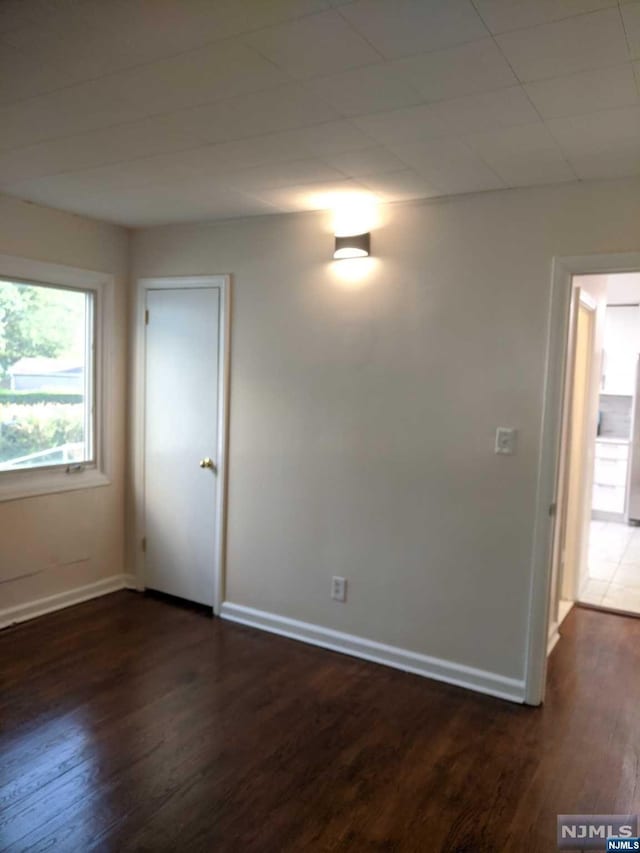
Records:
x=144, y=543
x=146, y=317
x=553, y=509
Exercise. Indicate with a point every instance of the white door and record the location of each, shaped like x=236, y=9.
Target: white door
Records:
x=181, y=423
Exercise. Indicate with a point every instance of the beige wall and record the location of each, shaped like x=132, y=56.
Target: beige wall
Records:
x=363, y=416
x=60, y=542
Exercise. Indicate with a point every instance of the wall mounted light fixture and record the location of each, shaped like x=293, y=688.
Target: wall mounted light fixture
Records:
x=353, y=246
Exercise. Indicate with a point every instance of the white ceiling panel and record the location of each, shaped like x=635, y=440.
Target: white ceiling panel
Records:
x=128, y=175
x=368, y=161
x=602, y=144
x=631, y=18
x=503, y=15
x=260, y=14
x=22, y=76
x=172, y=202
x=69, y=111
x=402, y=125
x=284, y=108
x=328, y=138
x=600, y=165
x=585, y=92
x=603, y=132
x=400, y=186
x=286, y=174
x=242, y=159
x=371, y=89
x=198, y=77
x=582, y=43
x=524, y=155
x=403, y=27
x=475, y=67
x=113, y=145
x=142, y=111
x=450, y=166
x=15, y=14
x=225, y=157
x=318, y=196
x=72, y=43
x=143, y=32
x=309, y=47
x=106, y=37
x=485, y=111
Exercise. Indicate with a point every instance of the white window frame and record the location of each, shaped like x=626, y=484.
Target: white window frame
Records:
x=29, y=482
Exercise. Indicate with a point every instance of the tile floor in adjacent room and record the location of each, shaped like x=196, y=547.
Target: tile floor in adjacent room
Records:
x=614, y=567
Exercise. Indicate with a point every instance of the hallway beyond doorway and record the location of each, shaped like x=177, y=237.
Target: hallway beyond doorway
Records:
x=614, y=567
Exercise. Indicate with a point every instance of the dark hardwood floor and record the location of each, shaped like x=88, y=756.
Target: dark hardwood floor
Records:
x=131, y=724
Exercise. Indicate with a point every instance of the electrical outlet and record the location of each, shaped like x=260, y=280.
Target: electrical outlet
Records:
x=338, y=588
x=506, y=440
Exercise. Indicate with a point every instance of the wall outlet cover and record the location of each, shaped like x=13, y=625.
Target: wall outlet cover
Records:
x=338, y=588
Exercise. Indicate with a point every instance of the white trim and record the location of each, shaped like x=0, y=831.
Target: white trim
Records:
x=32, y=609
x=563, y=270
x=49, y=481
x=223, y=283
x=348, y=644
x=26, y=483
x=587, y=300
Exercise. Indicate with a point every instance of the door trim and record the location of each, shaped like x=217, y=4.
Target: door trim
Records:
x=585, y=302
x=563, y=270
x=223, y=284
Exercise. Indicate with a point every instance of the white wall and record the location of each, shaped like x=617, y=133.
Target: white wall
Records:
x=363, y=416
x=51, y=545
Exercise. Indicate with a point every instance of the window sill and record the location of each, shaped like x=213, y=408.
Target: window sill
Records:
x=30, y=484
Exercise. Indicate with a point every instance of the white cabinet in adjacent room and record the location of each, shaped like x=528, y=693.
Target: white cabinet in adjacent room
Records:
x=610, y=476
x=621, y=346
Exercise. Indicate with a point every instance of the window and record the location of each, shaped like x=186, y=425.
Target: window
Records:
x=57, y=370
x=47, y=407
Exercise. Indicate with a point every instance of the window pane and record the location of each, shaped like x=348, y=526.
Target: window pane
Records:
x=46, y=387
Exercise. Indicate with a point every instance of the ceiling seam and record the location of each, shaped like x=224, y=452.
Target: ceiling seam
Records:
x=636, y=76
x=230, y=38
x=241, y=33
x=204, y=144
x=552, y=21
x=526, y=94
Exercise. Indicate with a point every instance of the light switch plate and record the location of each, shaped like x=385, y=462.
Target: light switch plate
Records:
x=506, y=439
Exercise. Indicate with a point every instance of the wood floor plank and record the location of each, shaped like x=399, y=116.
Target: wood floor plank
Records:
x=128, y=724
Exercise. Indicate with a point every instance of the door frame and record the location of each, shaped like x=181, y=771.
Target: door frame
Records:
x=563, y=271
x=223, y=284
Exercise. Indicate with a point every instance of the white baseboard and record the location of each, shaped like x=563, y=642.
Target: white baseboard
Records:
x=436, y=668
x=22, y=612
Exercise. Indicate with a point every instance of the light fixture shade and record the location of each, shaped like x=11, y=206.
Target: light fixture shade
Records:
x=354, y=246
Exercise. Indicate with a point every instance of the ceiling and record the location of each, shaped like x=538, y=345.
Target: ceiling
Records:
x=151, y=111
x=623, y=288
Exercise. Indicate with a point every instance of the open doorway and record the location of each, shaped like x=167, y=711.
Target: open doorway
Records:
x=596, y=548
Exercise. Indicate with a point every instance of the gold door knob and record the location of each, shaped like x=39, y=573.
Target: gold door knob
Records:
x=207, y=463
